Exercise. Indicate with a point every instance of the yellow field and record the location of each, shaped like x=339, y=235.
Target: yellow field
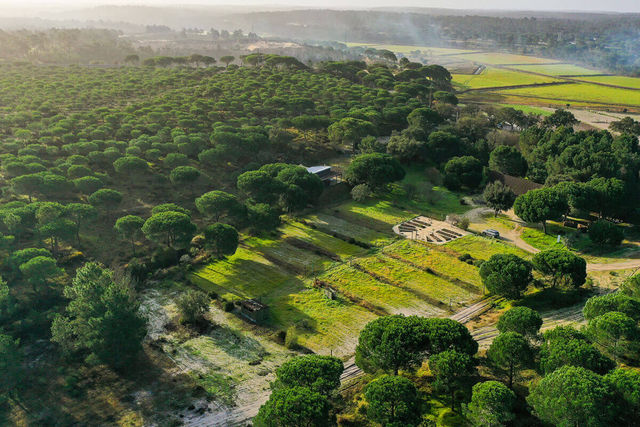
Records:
x=496, y=77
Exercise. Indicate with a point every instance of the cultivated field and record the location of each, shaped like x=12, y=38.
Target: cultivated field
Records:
x=497, y=58
x=508, y=70
x=557, y=69
x=497, y=77
x=583, y=93
x=632, y=82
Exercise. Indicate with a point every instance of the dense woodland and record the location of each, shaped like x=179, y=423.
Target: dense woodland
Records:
x=115, y=177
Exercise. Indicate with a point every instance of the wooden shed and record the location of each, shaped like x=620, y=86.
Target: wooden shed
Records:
x=254, y=310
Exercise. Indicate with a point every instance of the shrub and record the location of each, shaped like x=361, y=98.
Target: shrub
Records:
x=360, y=192
x=605, y=233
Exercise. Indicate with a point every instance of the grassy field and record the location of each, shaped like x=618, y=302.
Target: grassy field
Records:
x=246, y=274
x=496, y=77
x=483, y=248
x=528, y=109
x=497, y=58
x=421, y=282
x=557, y=69
x=579, y=92
x=435, y=259
x=394, y=276
x=361, y=233
x=633, y=82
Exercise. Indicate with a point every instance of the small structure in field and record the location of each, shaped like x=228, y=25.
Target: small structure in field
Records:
x=254, y=310
x=429, y=230
x=326, y=174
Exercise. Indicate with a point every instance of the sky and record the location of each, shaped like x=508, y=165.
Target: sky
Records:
x=565, y=5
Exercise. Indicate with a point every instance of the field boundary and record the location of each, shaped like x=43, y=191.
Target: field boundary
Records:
x=493, y=88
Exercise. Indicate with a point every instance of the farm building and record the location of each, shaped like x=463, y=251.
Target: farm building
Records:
x=254, y=310
x=325, y=173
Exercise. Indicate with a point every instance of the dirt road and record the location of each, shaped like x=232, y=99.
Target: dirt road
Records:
x=513, y=236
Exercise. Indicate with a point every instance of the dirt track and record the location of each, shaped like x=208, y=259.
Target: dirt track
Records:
x=512, y=236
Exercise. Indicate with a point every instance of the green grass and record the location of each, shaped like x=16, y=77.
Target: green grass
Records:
x=349, y=229
x=633, y=82
x=436, y=260
x=579, y=92
x=218, y=386
x=388, y=209
x=284, y=254
x=392, y=299
x=320, y=322
x=556, y=69
x=304, y=232
x=380, y=215
x=528, y=109
x=496, y=77
x=246, y=274
x=417, y=280
x=539, y=240
x=483, y=248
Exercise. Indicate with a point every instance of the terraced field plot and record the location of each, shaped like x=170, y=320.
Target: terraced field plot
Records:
x=578, y=93
x=377, y=296
x=428, y=257
x=246, y=274
x=380, y=215
x=497, y=77
x=556, y=69
x=418, y=281
x=280, y=272
x=300, y=231
x=632, y=82
x=329, y=223
x=483, y=248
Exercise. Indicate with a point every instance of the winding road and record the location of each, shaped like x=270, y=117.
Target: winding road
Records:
x=513, y=236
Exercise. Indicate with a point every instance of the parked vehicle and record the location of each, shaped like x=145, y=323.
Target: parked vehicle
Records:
x=491, y=233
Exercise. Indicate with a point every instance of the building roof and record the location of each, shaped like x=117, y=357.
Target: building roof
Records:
x=252, y=305
x=318, y=169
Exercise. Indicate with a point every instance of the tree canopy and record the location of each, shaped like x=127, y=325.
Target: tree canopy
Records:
x=506, y=274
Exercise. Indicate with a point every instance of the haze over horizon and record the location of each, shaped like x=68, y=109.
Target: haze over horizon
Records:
x=628, y=6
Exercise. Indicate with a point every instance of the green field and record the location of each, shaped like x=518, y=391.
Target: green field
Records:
x=579, y=93
x=632, y=82
x=435, y=259
x=330, y=223
x=396, y=276
x=496, y=77
x=483, y=248
x=528, y=109
x=557, y=69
